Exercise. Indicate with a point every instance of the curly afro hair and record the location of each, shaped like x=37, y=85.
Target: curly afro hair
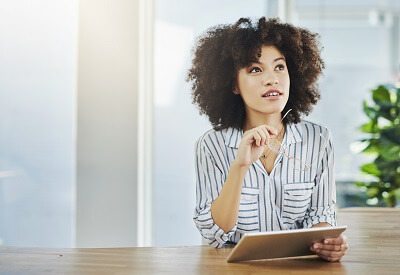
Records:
x=225, y=49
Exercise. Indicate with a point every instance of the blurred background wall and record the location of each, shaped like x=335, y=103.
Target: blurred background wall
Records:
x=38, y=72
x=107, y=95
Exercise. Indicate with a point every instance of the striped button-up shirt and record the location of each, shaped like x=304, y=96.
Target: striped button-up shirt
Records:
x=287, y=198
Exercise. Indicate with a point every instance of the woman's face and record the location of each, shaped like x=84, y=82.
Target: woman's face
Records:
x=264, y=86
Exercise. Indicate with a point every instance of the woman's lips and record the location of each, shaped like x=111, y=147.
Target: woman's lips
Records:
x=272, y=94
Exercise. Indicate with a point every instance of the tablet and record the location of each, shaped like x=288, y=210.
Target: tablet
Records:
x=281, y=244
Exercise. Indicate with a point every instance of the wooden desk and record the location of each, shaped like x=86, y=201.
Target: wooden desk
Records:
x=374, y=239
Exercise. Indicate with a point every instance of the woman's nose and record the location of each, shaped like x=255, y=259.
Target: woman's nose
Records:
x=270, y=80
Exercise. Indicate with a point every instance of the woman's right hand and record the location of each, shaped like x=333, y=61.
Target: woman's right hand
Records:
x=253, y=144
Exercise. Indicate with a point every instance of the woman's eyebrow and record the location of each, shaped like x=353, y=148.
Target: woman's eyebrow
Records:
x=279, y=58
x=261, y=63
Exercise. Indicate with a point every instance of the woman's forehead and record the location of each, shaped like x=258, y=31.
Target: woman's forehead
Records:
x=271, y=52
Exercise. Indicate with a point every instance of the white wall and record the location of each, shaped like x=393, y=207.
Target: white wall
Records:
x=37, y=122
x=107, y=123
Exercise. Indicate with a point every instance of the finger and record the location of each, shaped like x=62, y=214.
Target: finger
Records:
x=329, y=253
x=334, y=259
x=343, y=248
x=329, y=259
x=262, y=135
x=325, y=258
x=271, y=130
x=316, y=245
x=256, y=137
x=248, y=137
x=331, y=247
x=267, y=136
x=339, y=240
x=312, y=248
x=248, y=132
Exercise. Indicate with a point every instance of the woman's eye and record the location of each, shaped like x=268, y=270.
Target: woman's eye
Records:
x=280, y=67
x=255, y=70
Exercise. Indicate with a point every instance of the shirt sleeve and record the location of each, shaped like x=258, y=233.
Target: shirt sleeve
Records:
x=209, y=181
x=323, y=199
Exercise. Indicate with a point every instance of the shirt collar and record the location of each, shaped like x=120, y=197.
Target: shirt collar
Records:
x=233, y=137
x=293, y=134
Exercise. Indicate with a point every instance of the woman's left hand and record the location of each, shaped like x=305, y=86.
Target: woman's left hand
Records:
x=331, y=250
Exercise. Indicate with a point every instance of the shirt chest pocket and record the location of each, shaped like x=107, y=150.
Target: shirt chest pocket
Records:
x=296, y=197
x=248, y=211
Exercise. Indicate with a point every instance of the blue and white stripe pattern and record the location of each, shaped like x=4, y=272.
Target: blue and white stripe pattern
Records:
x=284, y=199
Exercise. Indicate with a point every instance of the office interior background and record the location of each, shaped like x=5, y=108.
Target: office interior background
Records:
x=97, y=125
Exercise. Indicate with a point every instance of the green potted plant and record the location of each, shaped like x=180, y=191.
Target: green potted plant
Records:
x=383, y=143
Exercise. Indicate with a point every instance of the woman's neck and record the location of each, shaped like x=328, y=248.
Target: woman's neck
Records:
x=273, y=120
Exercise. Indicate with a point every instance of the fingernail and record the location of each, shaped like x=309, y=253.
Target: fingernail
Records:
x=315, y=246
x=326, y=242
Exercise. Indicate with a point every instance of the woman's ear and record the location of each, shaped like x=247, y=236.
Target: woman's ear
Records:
x=235, y=88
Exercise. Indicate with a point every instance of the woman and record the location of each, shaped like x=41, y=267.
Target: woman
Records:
x=261, y=168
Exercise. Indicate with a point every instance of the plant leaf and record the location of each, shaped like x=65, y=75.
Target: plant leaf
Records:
x=371, y=169
x=369, y=127
x=369, y=111
x=360, y=183
x=373, y=146
x=381, y=94
x=391, y=134
x=390, y=153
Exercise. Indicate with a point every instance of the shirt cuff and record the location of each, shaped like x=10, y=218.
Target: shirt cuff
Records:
x=318, y=215
x=212, y=233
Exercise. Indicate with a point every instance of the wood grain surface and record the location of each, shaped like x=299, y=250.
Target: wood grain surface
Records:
x=373, y=237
